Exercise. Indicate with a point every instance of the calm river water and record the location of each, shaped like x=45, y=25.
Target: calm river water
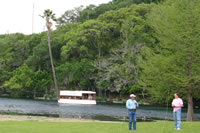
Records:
x=101, y=111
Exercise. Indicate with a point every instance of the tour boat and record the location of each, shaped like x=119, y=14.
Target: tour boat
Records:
x=77, y=97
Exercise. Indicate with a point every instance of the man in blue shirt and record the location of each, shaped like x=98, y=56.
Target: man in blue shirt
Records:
x=131, y=105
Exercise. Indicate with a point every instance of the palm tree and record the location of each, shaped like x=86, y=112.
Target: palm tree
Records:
x=49, y=15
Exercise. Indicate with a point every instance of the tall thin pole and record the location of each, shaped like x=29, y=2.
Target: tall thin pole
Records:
x=33, y=18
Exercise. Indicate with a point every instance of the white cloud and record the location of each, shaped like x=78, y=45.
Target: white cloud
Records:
x=16, y=15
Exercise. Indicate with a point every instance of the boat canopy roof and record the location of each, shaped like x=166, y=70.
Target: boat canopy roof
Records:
x=75, y=93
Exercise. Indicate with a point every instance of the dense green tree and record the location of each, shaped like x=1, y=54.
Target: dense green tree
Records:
x=20, y=83
x=14, y=51
x=76, y=75
x=70, y=16
x=39, y=57
x=4, y=76
x=26, y=83
x=174, y=64
x=83, y=41
x=120, y=70
x=88, y=13
x=81, y=14
x=41, y=81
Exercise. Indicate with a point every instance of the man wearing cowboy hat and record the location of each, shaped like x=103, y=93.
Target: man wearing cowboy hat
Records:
x=131, y=105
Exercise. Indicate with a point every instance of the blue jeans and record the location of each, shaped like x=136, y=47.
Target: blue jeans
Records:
x=132, y=118
x=177, y=119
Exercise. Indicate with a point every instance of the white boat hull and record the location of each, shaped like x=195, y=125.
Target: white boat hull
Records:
x=70, y=101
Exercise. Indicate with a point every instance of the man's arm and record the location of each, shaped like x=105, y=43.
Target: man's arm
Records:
x=137, y=105
x=127, y=104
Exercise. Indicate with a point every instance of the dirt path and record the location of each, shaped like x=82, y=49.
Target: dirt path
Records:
x=39, y=118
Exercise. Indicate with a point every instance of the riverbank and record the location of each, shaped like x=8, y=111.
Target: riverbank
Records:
x=40, y=118
x=101, y=111
x=24, y=124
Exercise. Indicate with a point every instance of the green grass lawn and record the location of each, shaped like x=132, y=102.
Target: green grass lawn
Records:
x=94, y=127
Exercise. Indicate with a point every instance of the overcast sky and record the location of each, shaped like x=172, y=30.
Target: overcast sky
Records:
x=16, y=15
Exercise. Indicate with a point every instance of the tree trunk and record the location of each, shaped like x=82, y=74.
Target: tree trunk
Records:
x=52, y=64
x=190, y=111
x=100, y=92
x=105, y=93
x=34, y=93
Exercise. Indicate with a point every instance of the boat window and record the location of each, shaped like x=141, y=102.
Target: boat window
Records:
x=85, y=96
x=90, y=97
